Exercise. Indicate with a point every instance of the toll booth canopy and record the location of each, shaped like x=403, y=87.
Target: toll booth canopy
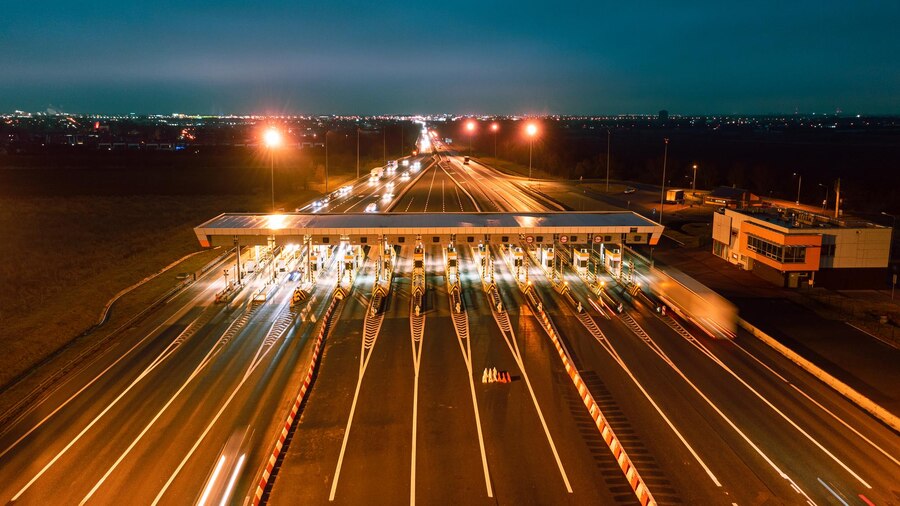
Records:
x=538, y=229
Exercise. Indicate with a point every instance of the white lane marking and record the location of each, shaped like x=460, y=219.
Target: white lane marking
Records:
x=607, y=345
x=823, y=408
x=231, y=482
x=881, y=340
x=731, y=424
x=428, y=197
x=152, y=333
x=202, y=365
x=760, y=362
x=209, y=427
x=514, y=349
x=363, y=365
x=212, y=481
x=864, y=438
x=836, y=496
x=703, y=349
x=158, y=360
x=467, y=357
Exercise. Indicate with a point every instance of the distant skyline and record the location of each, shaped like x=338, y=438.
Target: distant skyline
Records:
x=392, y=57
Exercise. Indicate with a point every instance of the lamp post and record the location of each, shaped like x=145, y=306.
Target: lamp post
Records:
x=608, y=139
x=272, y=139
x=494, y=128
x=799, y=182
x=824, y=202
x=326, y=161
x=357, y=152
x=470, y=127
x=694, y=181
x=662, y=193
x=530, y=130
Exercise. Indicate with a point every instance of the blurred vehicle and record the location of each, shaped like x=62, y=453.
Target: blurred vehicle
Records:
x=387, y=196
x=405, y=163
x=466, y=161
x=404, y=176
x=389, y=186
x=630, y=190
x=372, y=207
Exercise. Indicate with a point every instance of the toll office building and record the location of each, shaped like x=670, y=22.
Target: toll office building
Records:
x=796, y=248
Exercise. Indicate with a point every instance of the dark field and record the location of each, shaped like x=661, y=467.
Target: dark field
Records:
x=80, y=228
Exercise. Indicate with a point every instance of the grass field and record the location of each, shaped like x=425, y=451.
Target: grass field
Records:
x=67, y=256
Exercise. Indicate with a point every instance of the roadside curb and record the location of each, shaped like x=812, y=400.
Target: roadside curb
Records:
x=837, y=385
x=264, y=480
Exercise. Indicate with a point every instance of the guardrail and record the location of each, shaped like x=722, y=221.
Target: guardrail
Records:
x=837, y=385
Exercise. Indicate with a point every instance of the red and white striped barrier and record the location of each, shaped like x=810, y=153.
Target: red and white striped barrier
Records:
x=295, y=408
x=625, y=464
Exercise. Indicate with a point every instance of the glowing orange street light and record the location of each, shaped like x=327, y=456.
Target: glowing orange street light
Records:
x=470, y=127
x=530, y=130
x=272, y=140
x=494, y=128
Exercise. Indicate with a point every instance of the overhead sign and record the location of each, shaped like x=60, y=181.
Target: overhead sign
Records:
x=598, y=239
x=529, y=239
x=563, y=239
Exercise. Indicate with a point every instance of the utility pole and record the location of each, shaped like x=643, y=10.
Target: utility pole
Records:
x=662, y=193
x=608, y=137
x=357, y=152
x=326, y=162
x=384, y=145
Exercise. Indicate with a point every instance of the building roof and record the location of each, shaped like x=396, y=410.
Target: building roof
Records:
x=299, y=224
x=727, y=192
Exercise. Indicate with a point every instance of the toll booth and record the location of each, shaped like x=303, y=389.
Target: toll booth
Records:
x=315, y=261
x=419, y=258
x=548, y=256
x=452, y=262
x=613, y=257
x=581, y=258
x=350, y=260
x=518, y=257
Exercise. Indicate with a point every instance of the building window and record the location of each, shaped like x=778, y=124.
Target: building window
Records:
x=777, y=252
x=718, y=249
x=828, y=250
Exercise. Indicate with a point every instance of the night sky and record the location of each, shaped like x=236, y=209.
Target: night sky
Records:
x=228, y=56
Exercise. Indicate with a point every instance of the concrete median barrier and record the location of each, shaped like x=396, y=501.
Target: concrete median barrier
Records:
x=266, y=478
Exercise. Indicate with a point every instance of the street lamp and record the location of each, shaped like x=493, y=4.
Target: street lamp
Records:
x=494, y=128
x=470, y=127
x=694, y=181
x=824, y=202
x=608, y=138
x=326, y=161
x=272, y=140
x=799, y=182
x=530, y=130
x=662, y=193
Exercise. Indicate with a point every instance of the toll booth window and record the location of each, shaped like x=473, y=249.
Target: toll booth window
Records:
x=363, y=240
x=435, y=239
x=401, y=240
x=418, y=264
x=504, y=238
x=470, y=239
x=607, y=238
x=573, y=238
x=451, y=262
x=326, y=240
x=638, y=238
x=539, y=238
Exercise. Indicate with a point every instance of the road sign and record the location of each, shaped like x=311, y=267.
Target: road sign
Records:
x=563, y=239
x=598, y=239
x=529, y=239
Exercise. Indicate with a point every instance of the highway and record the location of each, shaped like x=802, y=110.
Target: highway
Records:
x=186, y=405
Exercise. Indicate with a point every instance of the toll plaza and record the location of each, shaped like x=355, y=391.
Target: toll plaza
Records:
x=547, y=236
